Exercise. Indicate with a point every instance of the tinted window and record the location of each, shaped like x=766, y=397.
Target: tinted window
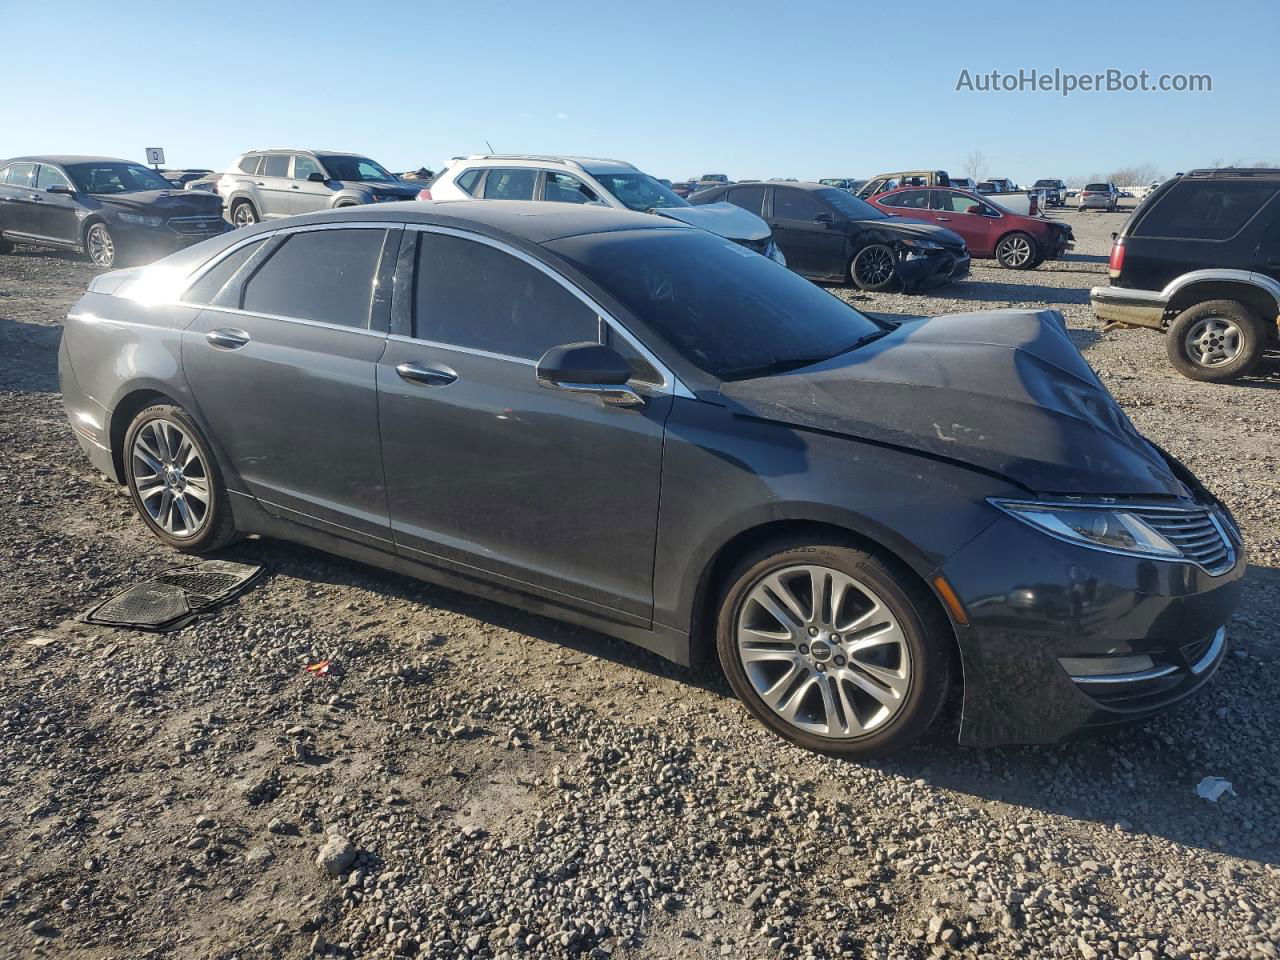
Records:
x=359, y=169
x=22, y=174
x=910, y=199
x=639, y=191
x=1205, y=209
x=748, y=198
x=304, y=167
x=468, y=180
x=250, y=163
x=1097, y=187
x=855, y=208
x=115, y=177
x=215, y=278
x=277, y=165
x=50, y=177
x=473, y=295
x=562, y=188
x=510, y=184
x=795, y=205
x=324, y=275
x=729, y=312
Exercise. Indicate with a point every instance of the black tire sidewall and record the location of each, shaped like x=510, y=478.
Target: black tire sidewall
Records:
x=872, y=288
x=927, y=631
x=1251, y=327
x=219, y=529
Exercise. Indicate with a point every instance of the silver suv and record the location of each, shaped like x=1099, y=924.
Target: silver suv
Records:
x=265, y=184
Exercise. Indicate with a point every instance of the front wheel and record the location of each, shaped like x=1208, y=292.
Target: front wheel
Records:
x=874, y=267
x=174, y=481
x=243, y=214
x=1017, y=251
x=100, y=246
x=1216, y=341
x=834, y=649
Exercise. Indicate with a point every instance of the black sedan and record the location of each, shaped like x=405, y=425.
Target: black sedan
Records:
x=108, y=209
x=828, y=234
x=633, y=424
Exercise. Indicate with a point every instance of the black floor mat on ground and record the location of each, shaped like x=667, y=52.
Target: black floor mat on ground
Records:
x=172, y=599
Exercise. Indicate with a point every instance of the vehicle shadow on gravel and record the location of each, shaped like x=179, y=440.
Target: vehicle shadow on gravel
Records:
x=28, y=356
x=1017, y=293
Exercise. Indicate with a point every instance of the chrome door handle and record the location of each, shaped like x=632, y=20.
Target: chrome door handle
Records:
x=227, y=338
x=947, y=219
x=293, y=186
x=427, y=376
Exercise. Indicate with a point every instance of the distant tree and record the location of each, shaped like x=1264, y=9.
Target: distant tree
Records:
x=975, y=165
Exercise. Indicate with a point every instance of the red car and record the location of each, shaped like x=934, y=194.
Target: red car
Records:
x=989, y=230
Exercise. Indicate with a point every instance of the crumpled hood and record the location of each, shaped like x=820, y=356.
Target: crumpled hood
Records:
x=907, y=227
x=722, y=219
x=163, y=203
x=1003, y=390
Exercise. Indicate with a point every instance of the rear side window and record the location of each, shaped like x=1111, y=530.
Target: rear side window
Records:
x=250, y=163
x=467, y=181
x=475, y=296
x=277, y=165
x=216, y=277
x=1205, y=209
x=21, y=175
x=795, y=205
x=910, y=199
x=324, y=275
x=510, y=184
x=748, y=198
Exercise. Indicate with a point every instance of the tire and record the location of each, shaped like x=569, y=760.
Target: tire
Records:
x=860, y=713
x=1216, y=341
x=1017, y=251
x=868, y=267
x=169, y=502
x=100, y=247
x=6, y=246
x=244, y=214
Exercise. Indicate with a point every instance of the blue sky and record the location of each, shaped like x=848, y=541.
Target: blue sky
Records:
x=804, y=89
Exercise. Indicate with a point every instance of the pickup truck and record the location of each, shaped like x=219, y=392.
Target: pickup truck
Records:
x=1056, y=192
x=1028, y=203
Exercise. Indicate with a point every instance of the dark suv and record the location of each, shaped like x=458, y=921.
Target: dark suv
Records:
x=1200, y=259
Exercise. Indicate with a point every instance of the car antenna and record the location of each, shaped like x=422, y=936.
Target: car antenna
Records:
x=489, y=145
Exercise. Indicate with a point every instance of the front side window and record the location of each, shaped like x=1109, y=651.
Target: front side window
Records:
x=21, y=175
x=50, y=177
x=748, y=198
x=358, y=169
x=249, y=164
x=952, y=202
x=562, y=188
x=640, y=192
x=323, y=275
x=510, y=184
x=303, y=167
x=116, y=177
x=277, y=165
x=1205, y=209
x=851, y=207
x=791, y=204
x=478, y=297
x=215, y=278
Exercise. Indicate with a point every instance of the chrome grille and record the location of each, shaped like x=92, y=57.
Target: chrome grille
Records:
x=197, y=226
x=1196, y=533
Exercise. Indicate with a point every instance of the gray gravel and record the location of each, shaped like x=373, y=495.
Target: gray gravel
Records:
x=471, y=781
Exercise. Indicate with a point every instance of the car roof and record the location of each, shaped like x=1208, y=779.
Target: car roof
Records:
x=62, y=159
x=1224, y=172
x=330, y=153
x=589, y=164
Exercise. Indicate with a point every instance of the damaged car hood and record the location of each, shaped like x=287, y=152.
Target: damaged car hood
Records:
x=1006, y=391
x=722, y=219
x=921, y=230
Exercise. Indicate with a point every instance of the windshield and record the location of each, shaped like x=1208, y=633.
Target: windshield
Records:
x=730, y=312
x=115, y=177
x=354, y=168
x=639, y=191
x=852, y=207
x=1046, y=183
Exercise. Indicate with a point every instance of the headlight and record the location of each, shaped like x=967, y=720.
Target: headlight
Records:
x=922, y=245
x=140, y=220
x=1104, y=528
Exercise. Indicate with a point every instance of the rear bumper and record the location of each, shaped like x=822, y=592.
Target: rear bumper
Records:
x=90, y=421
x=1138, y=308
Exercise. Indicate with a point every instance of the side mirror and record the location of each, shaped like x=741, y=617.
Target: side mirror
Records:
x=316, y=177
x=824, y=218
x=589, y=368
x=60, y=188
x=973, y=208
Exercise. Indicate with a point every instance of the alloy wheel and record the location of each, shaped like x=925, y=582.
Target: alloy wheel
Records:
x=243, y=216
x=823, y=651
x=100, y=246
x=171, y=478
x=1214, y=341
x=1016, y=251
x=875, y=265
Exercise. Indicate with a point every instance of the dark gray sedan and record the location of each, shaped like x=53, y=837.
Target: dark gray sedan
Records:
x=632, y=424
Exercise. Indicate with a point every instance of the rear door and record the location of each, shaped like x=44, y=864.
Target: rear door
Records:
x=283, y=367
x=57, y=219
x=490, y=474
x=275, y=189
x=20, y=210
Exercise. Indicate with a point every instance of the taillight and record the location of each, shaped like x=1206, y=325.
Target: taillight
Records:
x=1116, y=263
x=424, y=194
x=1035, y=204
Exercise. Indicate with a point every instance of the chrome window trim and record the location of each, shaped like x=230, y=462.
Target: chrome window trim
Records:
x=671, y=384
x=322, y=324
x=1153, y=674
x=470, y=351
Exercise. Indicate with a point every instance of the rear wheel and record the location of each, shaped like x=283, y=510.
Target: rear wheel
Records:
x=100, y=246
x=174, y=481
x=1017, y=251
x=243, y=214
x=874, y=267
x=834, y=649
x=1216, y=341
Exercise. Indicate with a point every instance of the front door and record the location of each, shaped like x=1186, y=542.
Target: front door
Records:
x=283, y=367
x=308, y=197
x=815, y=244
x=488, y=473
x=956, y=211
x=58, y=220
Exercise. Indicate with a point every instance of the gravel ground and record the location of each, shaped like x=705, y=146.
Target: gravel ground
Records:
x=472, y=781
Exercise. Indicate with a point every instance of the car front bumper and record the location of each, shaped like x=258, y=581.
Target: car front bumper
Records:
x=143, y=243
x=1138, y=308
x=1033, y=602
x=925, y=273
